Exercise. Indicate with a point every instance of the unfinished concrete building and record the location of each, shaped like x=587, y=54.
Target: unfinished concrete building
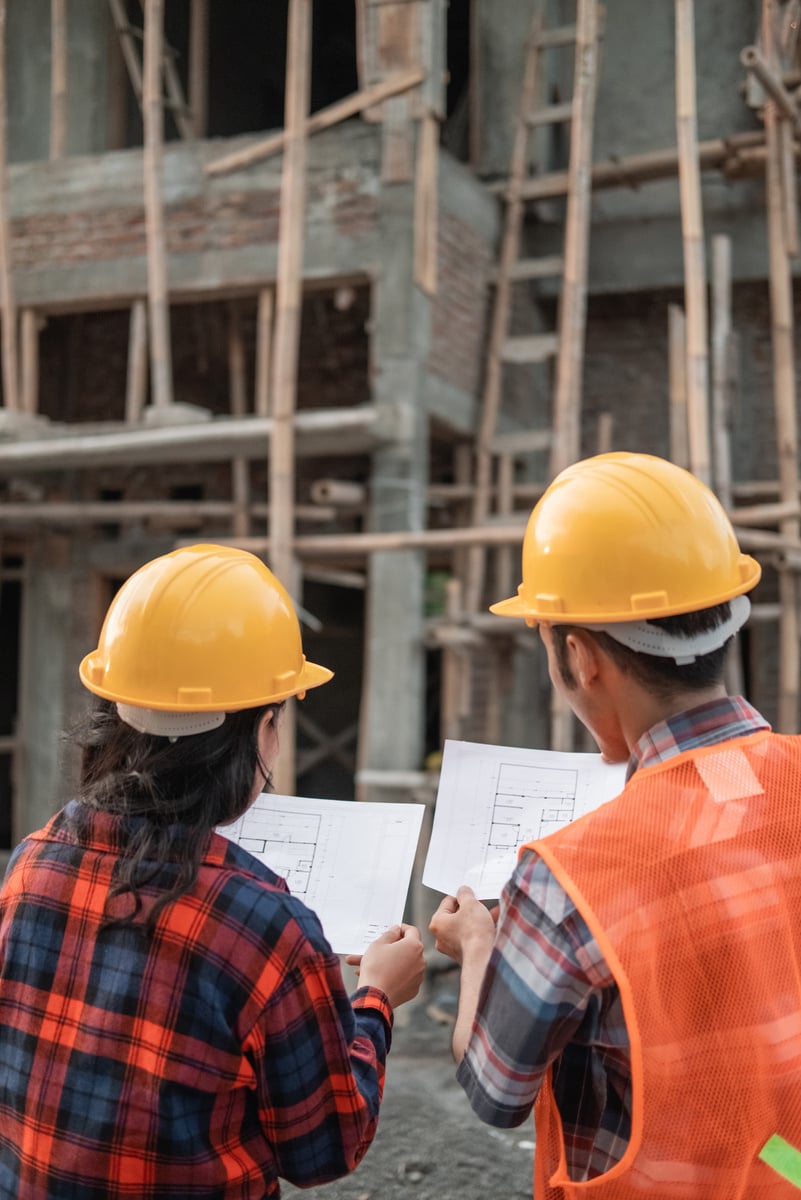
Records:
x=360, y=342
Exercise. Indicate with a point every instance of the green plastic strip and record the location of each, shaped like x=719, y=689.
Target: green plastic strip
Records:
x=783, y=1158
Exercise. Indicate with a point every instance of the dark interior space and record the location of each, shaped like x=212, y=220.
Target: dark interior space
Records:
x=247, y=60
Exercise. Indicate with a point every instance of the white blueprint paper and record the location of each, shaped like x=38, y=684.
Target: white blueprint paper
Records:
x=493, y=799
x=349, y=862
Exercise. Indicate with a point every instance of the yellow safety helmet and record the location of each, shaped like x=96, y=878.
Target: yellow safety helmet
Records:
x=202, y=630
x=627, y=537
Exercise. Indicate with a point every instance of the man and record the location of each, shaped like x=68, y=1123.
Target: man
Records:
x=642, y=990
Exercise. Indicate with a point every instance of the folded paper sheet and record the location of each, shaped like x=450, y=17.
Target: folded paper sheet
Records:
x=351, y=863
x=493, y=799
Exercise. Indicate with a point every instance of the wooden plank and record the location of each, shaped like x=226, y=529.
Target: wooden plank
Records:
x=323, y=119
x=58, y=79
x=552, y=114
x=546, y=267
x=8, y=305
x=695, y=285
x=535, y=348
x=153, y=118
x=426, y=205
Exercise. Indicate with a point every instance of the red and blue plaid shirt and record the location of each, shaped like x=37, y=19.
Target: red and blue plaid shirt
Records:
x=202, y=1061
x=549, y=997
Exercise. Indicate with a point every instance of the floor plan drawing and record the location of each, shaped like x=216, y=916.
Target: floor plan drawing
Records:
x=494, y=799
x=351, y=863
x=286, y=841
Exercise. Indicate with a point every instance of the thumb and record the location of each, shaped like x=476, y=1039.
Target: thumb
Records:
x=410, y=933
x=465, y=893
x=393, y=934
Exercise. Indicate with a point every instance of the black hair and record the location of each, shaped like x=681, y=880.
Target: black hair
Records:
x=174, y=792
x=662, y=676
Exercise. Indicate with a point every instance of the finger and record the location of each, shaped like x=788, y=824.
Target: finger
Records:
x=393, y=934
x=465, y=893
x=353, y=960
x=495, y=912
x=449, y=905
x=410, y=933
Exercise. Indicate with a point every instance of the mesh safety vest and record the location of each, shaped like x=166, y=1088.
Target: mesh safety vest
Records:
x=691, y=883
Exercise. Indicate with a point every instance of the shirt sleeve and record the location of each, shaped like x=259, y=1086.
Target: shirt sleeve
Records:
x=545, y=972
x=320, y=1064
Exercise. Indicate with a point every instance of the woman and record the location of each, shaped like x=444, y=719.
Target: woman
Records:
x=173, y=1022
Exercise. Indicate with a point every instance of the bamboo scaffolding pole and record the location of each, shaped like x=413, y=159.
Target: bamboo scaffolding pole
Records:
x=58, y=79
x=289, y=308
x=7, y=300
x=29, y=338
x=771, y=80
x=264, y=342
x=789, y=188
x=765, y=514
x=339, y=492
x=127, y=46
x=573, y=299
x=695, y=298
x=153, y=115
x=351, y=106
x=635, y=169
x=172, y=86
x=721, y=339
x=237, y=387
x=169, y=513
x=136, y=381
x=198, y=87
x=781, y=303
x=493, y=382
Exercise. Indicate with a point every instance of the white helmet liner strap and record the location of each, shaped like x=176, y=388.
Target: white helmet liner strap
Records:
x=169, y=724
x=650, y=639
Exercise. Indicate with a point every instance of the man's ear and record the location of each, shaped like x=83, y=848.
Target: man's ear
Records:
x=584, y=657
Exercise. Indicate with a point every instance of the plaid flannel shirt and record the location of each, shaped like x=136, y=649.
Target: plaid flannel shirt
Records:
x=549, y=997
x=203, y=1061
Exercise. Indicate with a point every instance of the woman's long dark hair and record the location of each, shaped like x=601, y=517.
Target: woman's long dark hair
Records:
x=176, y=791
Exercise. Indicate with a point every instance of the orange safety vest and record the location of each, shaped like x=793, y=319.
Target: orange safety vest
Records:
x=691, y=883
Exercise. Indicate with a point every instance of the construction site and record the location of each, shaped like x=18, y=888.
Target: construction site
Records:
x=346, y=285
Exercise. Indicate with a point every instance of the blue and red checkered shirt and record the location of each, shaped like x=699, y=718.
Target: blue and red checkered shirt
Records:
x=204, y=1060
x=549, y=997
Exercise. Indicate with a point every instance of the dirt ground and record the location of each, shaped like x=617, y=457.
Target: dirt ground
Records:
x=429, y=1145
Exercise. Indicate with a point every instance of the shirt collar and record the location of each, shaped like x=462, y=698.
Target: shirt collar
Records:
x=704, y=725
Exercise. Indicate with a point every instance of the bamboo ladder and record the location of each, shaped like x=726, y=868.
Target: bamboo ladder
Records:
x=565, y=344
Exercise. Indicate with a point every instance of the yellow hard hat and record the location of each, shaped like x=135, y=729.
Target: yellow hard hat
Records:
x=624, y=537
x=204, y=628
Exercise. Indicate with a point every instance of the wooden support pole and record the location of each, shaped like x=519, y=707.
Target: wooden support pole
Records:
x=198, y=92
x=695, y=299
x=784, y=385
x=136, y=383
x=770, y=78
x=127, y=46
x=237, y=386
x=426, y=205
x=153, y=115
x=58, y=79
x=323, y=119
x=289, y=308
x=677, y=371
x=789, y=188
x=264, y=345
x=721, y=373
x=29, y=337
x=573, y=299
x=7, y=299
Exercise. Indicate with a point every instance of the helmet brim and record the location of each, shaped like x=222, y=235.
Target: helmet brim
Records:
x=515, y=606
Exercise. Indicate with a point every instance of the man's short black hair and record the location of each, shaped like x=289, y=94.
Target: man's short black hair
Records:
x=664, y=677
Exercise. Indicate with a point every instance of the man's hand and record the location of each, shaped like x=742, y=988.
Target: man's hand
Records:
x=394, y=963
x=463, y=927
